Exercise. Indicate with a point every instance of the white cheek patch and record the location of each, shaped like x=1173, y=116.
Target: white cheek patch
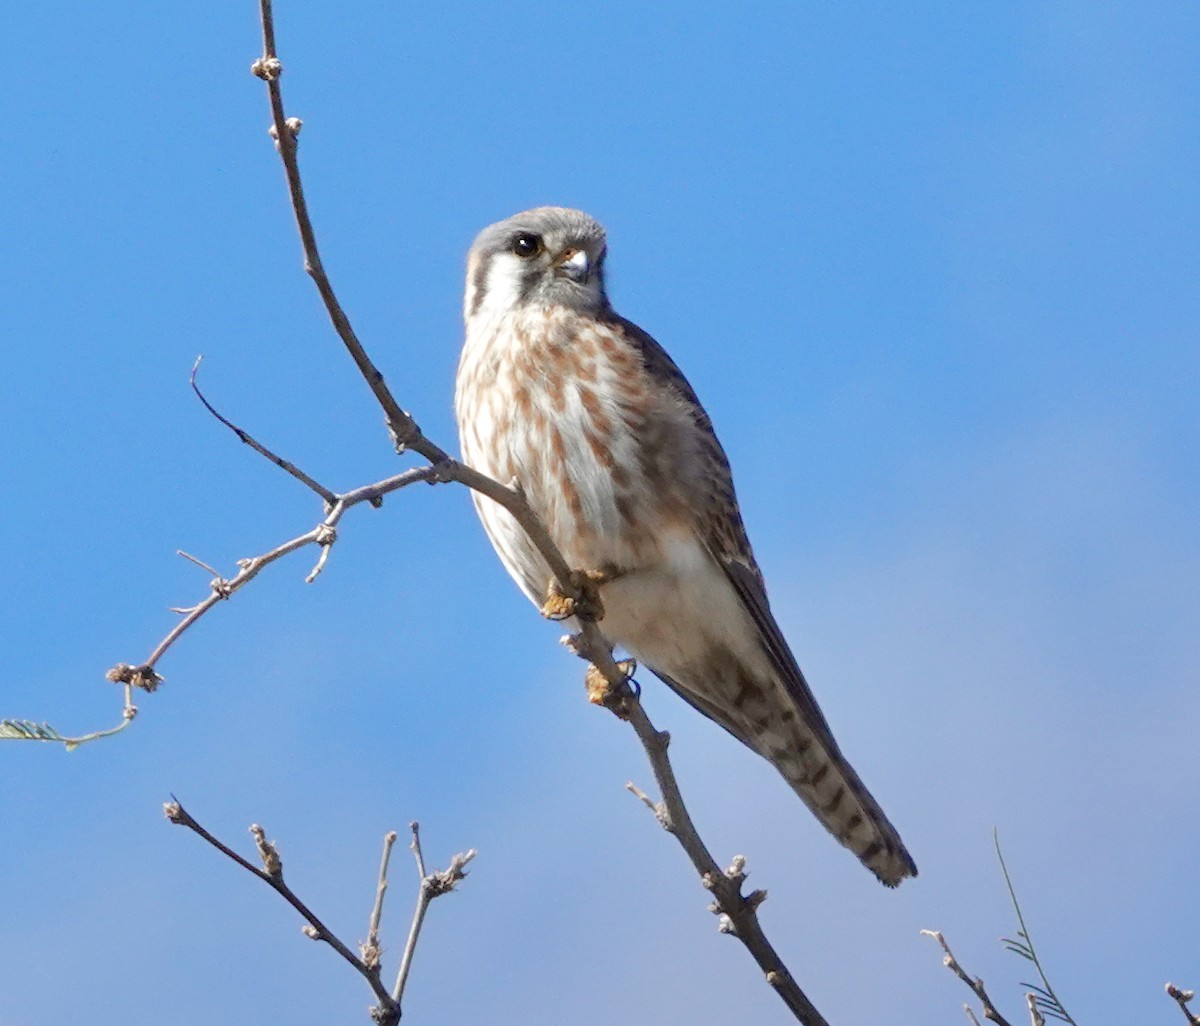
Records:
x=502, y=291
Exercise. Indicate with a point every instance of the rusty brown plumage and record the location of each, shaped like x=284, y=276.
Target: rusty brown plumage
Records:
x=619, y=459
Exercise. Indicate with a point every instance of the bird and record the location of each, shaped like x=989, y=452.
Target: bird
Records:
x=588, y=417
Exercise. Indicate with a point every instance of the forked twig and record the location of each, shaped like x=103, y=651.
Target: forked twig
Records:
x=388, y=1011
x=405, y=434
x=146, y=676
x=432, y=885
x=272, y=875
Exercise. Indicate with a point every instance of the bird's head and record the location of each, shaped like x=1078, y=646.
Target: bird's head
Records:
x=551, y=256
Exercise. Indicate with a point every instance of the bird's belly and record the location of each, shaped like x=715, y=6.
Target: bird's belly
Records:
x=681, y=615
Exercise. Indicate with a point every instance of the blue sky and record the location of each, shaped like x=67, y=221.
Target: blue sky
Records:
x=932, y=268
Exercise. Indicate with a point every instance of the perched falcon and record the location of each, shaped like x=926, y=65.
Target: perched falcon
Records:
x=592, y=419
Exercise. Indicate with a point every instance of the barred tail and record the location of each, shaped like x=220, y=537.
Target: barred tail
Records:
x=828, y=785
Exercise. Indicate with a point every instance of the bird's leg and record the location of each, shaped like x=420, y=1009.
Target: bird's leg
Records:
x=616, y=699
x=587, y=606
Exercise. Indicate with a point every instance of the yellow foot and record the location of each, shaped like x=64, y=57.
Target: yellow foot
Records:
x=601, y=692
x=587, y=606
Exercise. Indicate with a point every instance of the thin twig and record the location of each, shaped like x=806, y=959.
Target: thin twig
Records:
x=371, y=951
x=414, y=929
x=145, y=674
x=1182, y=997
x=258, y=447
x=198, y=562
x=272, y=875
x=432, y=885
x=415, y=847
x=975, y=983
x=1035, y=1015
x=387, y=1011
x=268, y=67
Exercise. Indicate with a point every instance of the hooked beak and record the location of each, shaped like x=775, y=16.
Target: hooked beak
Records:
x=574, y=264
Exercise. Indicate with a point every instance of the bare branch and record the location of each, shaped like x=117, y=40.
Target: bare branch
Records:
x=1182, y=997
x=371, y=951
x=432, y=885
x=975, y=983
x=404, y=431
x=249, y=440
x=403, y=428
x=199, y=562
x=646, y=800
x=415, y=847
x=1035, y=1016
x=387, y=1012
x=145, y=676
x=737, y=912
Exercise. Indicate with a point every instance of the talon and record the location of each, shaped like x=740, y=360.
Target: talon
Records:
x=616, y=699
x=587, y=606
x=597, y=685
x=557, y=605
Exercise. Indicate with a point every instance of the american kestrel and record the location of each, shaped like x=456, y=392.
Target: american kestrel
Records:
x=592, y=420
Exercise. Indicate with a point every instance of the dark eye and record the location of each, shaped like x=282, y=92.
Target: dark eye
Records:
x=526, y=245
